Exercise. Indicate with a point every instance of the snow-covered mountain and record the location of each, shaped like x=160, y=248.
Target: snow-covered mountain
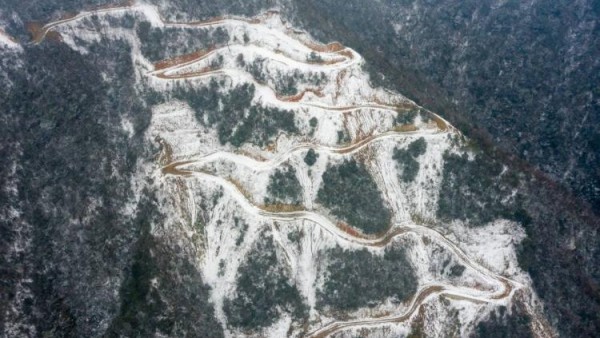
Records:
x=305, y=200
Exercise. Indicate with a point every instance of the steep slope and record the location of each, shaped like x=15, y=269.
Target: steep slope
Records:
x=280, y=195
x=518, y=77
x=523, y=74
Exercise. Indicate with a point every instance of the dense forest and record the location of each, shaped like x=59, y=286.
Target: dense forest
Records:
x=62, y=124
x=349, y=191
x=526, y=91
x=67, y=135
x=355, y=279
x=263, y=291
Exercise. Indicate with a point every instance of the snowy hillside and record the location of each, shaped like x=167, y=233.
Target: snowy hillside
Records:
x=306, y=198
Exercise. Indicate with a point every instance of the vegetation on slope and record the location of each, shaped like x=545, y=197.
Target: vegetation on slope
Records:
x=284, y=84
x=477, y=190
x=407, y=159
x=406, y=117
x=502, y=324
x=481, y=190
x=233, y=115
x=263, y=290
x=503, y=87
x=207, y=9
x=350, y=193
x=563, y=275
x=163, y=292
x=72, y=179
x=520, y=111
x=354, y=279
x=311, y=157
x=161, y=43
x=284, y=187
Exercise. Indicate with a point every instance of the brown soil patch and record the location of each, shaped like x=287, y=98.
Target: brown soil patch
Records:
x=241, y=188
x=440, y=123
x=325, y=62
x=346, y=53
x=54, y=36
x=281, y=207
x=328, y=48
x=197, y=55
x=67, y=16
x=507, y=290
x=406, y=128
x=335, y=47
x=350, y=230
x=172, y=169
x=36, y=31
x=300, y=96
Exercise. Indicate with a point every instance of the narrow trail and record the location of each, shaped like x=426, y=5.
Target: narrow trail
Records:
x=259, y=165
x=162, y=72
x=420, y=297
x=163, y=68
x=290, y=102
x=39, y=33
x=328, y=225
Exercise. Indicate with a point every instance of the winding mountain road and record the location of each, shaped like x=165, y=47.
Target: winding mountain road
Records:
x=502, y=286
x=259, y=165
